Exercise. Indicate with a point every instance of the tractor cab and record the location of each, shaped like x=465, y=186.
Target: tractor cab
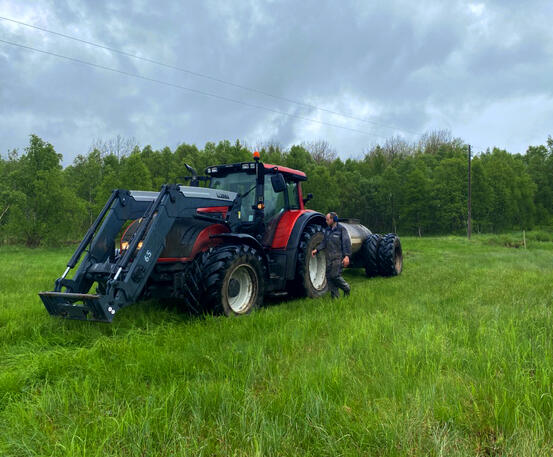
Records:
x=267, y=192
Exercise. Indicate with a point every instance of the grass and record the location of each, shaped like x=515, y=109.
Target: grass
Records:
x=454, y=357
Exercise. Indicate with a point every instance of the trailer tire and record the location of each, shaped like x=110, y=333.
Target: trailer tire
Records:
x=310, y=270
x=233, y=279
x=390, y=255
x=369, y=253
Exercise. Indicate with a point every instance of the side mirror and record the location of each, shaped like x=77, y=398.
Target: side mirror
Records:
x=278, y=183
x=306, y=199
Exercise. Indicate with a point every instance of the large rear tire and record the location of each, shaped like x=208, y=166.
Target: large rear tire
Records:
x=369, y=252
x=390, y=255
x=310, y=270
x=233, y=280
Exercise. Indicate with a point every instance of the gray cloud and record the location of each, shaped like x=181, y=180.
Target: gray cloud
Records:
x=481, y=69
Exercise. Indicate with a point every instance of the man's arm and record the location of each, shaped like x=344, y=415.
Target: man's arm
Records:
x=346, y=247
x=321, y=245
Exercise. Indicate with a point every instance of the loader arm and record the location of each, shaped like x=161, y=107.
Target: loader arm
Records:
x=121, y=278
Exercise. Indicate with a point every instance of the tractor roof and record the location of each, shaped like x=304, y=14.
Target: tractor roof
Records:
x=247, y=166
x=300, y=175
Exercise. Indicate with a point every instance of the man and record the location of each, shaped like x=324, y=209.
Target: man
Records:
x=338, y=251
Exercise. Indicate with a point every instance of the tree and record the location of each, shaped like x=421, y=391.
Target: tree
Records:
x=482, y=197
x=42, y=206
x=450, y=195
x=85, y=177
x=539, y=161
x=135, y=174
x=298, y=158
x=320, y=151
x=118, y=146
x=416, y=204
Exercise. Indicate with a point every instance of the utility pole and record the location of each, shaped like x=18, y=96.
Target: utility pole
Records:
x=469, y=218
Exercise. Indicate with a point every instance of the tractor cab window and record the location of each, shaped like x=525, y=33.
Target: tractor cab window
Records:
x=293, y=197
x=241, y=183
x=274, y=203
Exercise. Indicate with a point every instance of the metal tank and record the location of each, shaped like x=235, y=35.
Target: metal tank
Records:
x=357, y=233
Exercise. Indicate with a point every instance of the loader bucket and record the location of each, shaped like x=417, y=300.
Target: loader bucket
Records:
x=85, y=307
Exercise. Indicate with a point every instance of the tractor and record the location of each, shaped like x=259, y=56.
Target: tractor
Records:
x=219, y=244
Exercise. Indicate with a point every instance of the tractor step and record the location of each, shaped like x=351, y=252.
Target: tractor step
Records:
x=65, y=304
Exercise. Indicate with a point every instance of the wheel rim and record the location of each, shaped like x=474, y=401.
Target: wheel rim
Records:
x=398, y=259
x=241, y=289
x=317, y=270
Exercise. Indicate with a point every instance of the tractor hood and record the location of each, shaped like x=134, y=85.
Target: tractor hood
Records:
x=224, y=196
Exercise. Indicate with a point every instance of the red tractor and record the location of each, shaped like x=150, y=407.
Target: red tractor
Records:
x=219, y=248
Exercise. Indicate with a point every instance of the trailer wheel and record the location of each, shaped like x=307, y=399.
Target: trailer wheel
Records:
x=233, y=280
x=369, y=253
x=310, y=270
x=390, y=255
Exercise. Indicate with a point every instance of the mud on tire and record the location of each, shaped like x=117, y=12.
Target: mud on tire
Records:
x=390, y=255
x=310, y=271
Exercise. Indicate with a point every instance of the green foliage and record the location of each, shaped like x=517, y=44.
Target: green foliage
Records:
x=410, y=189
x=42, y=209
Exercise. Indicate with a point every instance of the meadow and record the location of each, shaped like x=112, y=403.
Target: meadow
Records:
x=453, y=357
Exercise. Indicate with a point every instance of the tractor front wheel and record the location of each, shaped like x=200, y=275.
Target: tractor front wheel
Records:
x=233, y=280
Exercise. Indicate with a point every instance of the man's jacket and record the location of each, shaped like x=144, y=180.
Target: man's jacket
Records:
x=337, y=245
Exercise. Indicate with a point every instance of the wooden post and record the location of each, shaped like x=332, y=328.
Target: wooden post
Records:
x=524, y=238
x=4, y=212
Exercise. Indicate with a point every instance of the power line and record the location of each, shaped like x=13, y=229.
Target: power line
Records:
x=205, y=76
x=189, y=89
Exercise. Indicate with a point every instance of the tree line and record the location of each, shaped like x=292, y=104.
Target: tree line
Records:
x=408, y=188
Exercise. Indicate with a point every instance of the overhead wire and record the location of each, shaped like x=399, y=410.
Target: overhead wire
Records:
x=190, y=89
x=209, y=77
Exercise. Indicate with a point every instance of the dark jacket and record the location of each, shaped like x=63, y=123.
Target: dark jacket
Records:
x=337, y=245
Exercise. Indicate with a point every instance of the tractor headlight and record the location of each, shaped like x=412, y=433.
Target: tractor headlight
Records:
x=125, y=245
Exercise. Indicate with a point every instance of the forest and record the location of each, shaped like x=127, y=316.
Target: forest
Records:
x=408, y=188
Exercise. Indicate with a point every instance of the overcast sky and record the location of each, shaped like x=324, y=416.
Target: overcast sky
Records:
x=483, y=70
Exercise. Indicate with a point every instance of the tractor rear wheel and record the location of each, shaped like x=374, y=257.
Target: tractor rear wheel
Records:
x=311, y=270
x=233, y=279
x=369, y=253
x=390, y=255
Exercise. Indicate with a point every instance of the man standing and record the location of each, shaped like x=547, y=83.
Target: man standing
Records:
x=338, y=251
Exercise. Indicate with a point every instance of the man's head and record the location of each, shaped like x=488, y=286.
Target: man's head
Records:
x=331, y=218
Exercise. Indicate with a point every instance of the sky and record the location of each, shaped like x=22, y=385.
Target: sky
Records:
x=352, y=73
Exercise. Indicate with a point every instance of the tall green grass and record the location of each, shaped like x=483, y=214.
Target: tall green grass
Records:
x=454, y=357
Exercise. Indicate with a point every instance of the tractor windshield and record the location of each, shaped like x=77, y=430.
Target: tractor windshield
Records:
x=234, y=182
x=240, y=182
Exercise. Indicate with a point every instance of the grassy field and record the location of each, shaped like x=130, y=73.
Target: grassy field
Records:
x=454, y=357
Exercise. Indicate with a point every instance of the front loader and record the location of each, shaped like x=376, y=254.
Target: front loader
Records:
x=121, y=275
x=219, y=248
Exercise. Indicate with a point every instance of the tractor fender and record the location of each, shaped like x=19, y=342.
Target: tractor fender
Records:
x=308, y=217
x=243, y=238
